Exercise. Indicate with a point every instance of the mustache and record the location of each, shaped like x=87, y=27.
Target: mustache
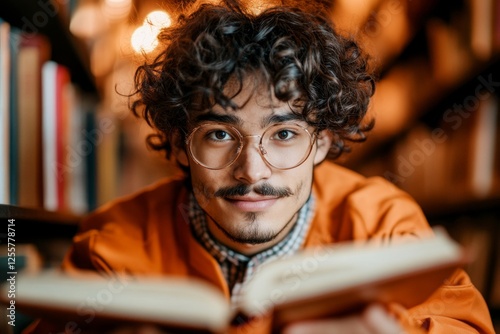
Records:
x=264, y=189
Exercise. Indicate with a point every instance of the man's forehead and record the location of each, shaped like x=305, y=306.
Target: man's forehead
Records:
x=254, y=101
x=264, y=116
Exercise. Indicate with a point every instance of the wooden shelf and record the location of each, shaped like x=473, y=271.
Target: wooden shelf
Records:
x=35, y=224
x=468, y=207
x=37, y=16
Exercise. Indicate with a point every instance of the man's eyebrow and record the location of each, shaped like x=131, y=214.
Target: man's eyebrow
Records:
x=280, y=118
x=214, y=117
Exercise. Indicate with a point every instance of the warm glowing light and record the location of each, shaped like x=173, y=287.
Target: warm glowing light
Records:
x=158, y=19
x=144, y=39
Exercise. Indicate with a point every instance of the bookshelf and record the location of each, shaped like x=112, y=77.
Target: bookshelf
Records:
x=440, y=31
x=50, y=20
x=456, y=177
x=447, y=115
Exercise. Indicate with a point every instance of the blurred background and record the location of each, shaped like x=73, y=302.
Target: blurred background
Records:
x=70, y=144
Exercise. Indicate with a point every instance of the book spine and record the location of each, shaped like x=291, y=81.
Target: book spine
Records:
x=63, y=170
x=15, y=38
x=77, y=149
x=483, y=152
x=33, y=52
x=4, y=112
x=49, y=134
x=91, y=161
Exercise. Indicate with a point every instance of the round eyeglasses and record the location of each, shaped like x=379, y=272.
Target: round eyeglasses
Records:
x=282, y=146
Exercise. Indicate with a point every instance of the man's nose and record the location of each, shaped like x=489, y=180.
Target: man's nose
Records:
x=250, y=166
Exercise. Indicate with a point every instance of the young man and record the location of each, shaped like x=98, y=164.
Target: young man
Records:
x=250, y=106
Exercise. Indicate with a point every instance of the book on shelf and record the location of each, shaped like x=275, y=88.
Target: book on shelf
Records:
x=90, y=170
x=77, y=151
x=459, y=146
x=4, y=112
x=15, y=38
x=55, y=80
x=34, y=51
x=314, y=283
x=106, y=138
x=483, y=139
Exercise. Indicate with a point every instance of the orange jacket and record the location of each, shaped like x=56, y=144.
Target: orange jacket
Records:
x=148, y=233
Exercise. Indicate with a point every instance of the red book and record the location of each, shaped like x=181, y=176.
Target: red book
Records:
x=55, y=137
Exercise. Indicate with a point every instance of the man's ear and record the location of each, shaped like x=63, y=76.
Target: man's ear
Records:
x=324, y=141
x=179, y=150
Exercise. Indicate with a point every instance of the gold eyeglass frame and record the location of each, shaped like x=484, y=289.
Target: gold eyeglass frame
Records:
x=241, y=138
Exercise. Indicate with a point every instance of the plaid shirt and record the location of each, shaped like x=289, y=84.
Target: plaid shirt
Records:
x=238, y=268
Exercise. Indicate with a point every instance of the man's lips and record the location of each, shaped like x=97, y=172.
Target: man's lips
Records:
x=252, y=203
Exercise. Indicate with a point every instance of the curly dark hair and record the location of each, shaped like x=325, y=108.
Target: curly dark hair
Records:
x=307, y=63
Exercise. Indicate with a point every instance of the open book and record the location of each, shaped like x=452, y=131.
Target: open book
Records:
x=315, y=283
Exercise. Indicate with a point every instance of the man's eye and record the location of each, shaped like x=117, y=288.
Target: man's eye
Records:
x=283, y=135
x=219, y=135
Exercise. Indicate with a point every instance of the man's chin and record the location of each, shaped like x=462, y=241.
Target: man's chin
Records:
x=250, y=235
x=250, y=228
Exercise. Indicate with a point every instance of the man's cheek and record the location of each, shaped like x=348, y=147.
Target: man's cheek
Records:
x=202, y=196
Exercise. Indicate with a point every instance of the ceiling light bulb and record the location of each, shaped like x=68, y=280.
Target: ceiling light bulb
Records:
x=158, y=19
x=144, y=39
